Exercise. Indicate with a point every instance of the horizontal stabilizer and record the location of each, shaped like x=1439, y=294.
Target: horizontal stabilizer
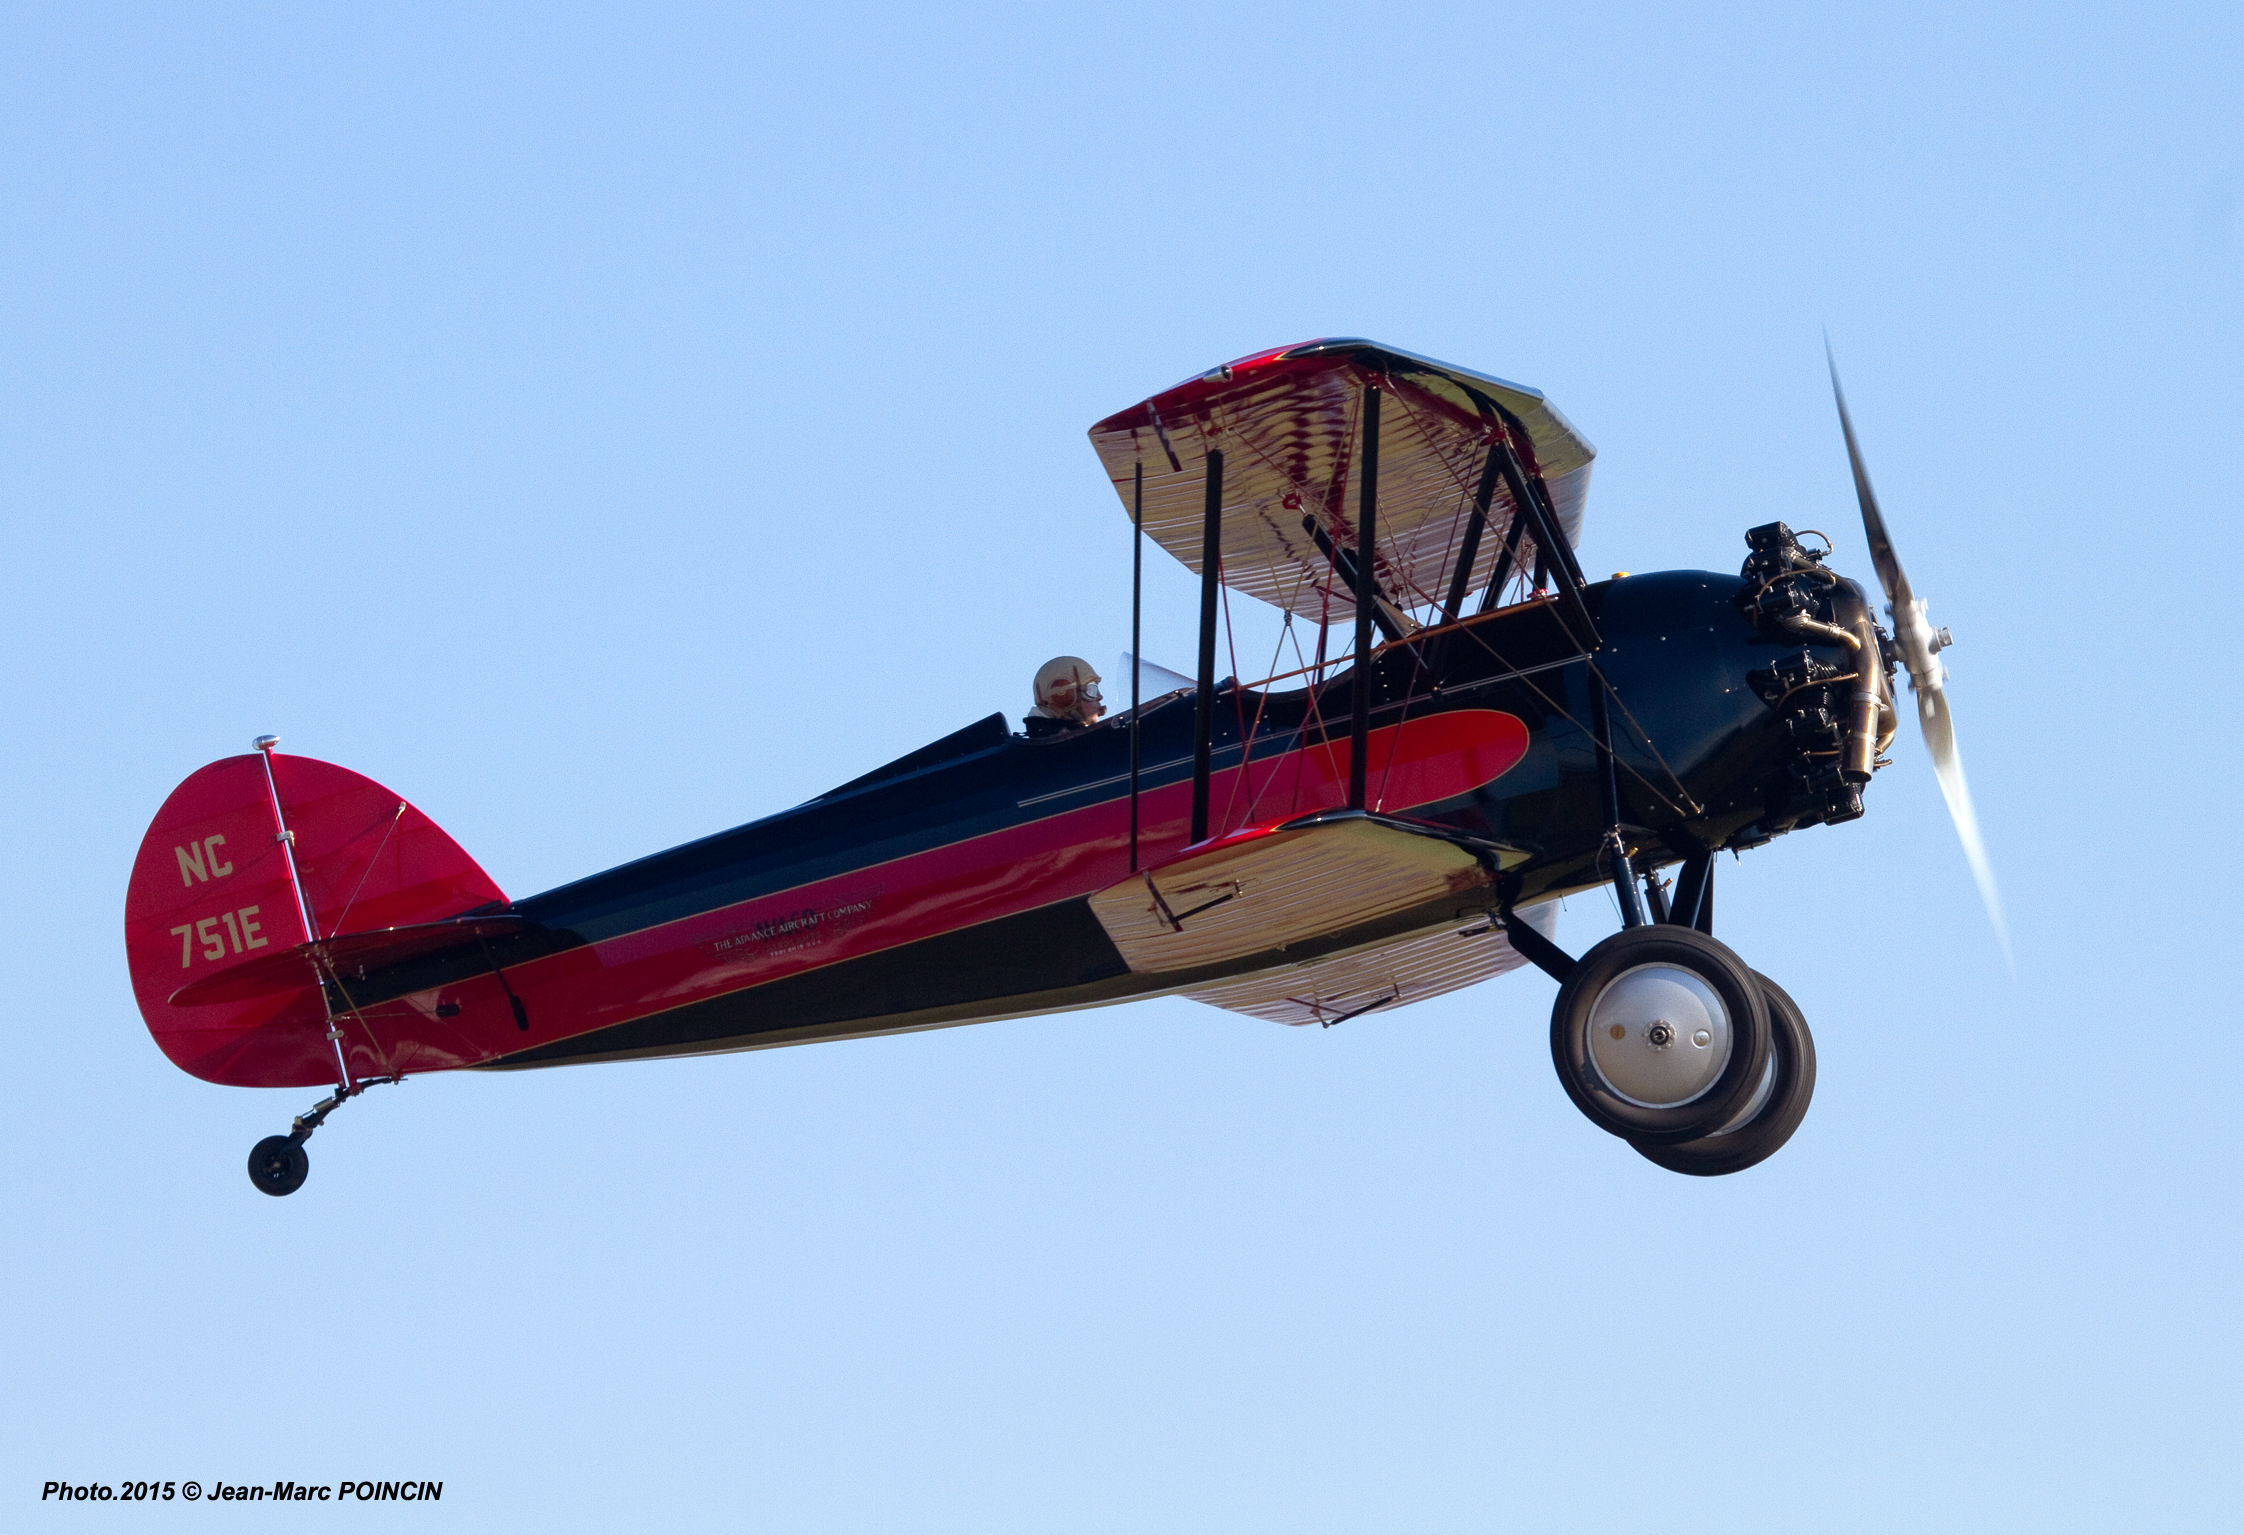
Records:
x=345, y=956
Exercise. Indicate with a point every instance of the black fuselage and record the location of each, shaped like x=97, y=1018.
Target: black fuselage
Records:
x=884, y=869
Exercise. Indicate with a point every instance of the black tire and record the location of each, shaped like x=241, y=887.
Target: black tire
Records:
x=1733, y=986
x=1792, y=1053
x=278, y=1165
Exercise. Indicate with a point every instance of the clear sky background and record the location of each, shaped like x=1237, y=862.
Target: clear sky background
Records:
x=605, y=427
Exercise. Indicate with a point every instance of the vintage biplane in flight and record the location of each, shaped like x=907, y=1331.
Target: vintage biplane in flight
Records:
x=1385, y=822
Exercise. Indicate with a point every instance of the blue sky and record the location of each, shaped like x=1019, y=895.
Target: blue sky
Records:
x=605, y=427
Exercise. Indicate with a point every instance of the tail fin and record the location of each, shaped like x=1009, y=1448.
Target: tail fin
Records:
x=211, y=890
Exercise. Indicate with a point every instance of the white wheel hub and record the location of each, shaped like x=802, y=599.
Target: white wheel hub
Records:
x=1659, y=1036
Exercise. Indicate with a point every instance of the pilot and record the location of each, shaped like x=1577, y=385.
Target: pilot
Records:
x=1067, y=697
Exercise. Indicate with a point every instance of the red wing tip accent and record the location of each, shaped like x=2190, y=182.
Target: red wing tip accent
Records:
x=1199, y=387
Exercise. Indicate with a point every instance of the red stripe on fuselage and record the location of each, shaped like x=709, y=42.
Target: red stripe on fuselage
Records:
x=978, y=879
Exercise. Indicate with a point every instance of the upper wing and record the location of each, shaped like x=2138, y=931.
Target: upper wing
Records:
x=1288, y=422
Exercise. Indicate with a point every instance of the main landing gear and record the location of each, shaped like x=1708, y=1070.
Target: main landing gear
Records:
x=1663, y=1037
x=1770, y=1116
x=278, y=1164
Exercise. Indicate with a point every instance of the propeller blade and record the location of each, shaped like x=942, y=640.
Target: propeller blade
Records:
x=1940, y=741
x=1920, y=645
x=1890, y=574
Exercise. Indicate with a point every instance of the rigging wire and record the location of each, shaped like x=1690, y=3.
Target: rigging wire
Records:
x=1554, y=706
x=387, y=832
x=1399, y=571
x=1645, y=736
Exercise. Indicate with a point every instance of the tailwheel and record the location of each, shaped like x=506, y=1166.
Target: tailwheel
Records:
x=1770, y=1116
x=278, y=1165
x=1660, y=1035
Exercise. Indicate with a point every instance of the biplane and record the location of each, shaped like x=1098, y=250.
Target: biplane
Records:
x=1467, y=729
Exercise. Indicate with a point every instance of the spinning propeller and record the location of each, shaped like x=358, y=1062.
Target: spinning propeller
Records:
x=1920, y=645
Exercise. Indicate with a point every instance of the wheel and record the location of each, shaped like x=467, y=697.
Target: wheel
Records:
x=278, y=1165
x=1661, y=1035
x=1767, y=1121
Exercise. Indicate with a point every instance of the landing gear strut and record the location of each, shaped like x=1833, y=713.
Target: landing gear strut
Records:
x=278, y=1164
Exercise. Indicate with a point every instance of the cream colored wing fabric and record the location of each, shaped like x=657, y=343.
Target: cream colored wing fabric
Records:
x=1289, y=424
